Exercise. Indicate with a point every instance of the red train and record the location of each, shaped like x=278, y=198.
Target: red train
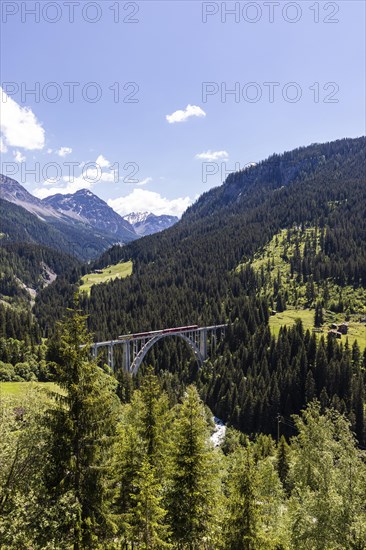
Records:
x=155, y=332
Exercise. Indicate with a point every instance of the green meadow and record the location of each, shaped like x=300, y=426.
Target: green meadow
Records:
x=356, y=330
x=16, y=392
x=273, y=260
x=118, y=271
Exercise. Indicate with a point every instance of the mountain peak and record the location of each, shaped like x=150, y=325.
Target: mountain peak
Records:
x=12, y=191
x=146, y=223
x=85, y=192
x=83, y=206
x=86, y=208
x=136, y=217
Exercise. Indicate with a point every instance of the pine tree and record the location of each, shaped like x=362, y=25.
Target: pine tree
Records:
x=310, y=389
x=321, y=368
x=83, y=425
x=242, y=532
x=193, y=496
x=153, y=416
x=141, y=461
x=359, y=400
x=283, y=463
x=128, y=458
x=318, y=317
x=147, y=517
x=281, y=302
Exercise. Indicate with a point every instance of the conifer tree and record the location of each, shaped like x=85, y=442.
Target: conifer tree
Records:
x=83, y=425
x=194, y=493
x=148, y=527
x=242, y=531
x=283, y=462
x=141, y=461
x=154, y=419
x=318, y=316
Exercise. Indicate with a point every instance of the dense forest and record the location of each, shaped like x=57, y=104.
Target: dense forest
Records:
x=28, y=267
x=82, y=470
x=188, y=273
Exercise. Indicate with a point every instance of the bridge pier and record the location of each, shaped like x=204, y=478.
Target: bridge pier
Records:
x=126, y=357
x=110, y=359
x=203, y=343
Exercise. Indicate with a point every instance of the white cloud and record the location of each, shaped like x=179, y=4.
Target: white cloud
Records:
x=52, y=187
x=48, y=183
x=3, y=147
x=144, y=181
x=213, y=155
x=141, y=200
x=49, y=151
x=102, y=162
x=71, y=187
x=18, y=156
x=63, y=151
x=70, y=184
x=108, y=177
x=181, y=116
x=19, y=125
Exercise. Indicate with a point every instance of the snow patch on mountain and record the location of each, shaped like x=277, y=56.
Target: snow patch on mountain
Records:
x=147, y=223
x=136, y=217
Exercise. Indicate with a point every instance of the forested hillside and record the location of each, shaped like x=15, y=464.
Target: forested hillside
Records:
x=76, y=239
x=19, y=225
x=27, y=268
x=200, y=272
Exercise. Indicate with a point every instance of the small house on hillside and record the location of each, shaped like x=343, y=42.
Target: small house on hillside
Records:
x=341, y=327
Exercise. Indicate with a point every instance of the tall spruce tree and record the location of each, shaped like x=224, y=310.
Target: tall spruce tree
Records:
x=283, y=463
x=141, y=462
x=194, y=493
x=83, y=425
x=148, y=527
x=242, y=527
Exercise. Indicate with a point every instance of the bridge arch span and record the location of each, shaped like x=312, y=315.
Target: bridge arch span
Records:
x=147, y=347
x=136, y=346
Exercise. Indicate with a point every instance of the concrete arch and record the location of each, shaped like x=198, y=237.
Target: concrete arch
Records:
x=146, y=348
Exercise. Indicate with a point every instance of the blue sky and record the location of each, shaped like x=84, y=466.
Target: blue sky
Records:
x=296, y=69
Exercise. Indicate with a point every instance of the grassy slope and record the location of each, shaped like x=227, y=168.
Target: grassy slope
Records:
x=288, y=318
x=277, y=253
x=356, y=330
x=119, y=271
x=17, y=392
